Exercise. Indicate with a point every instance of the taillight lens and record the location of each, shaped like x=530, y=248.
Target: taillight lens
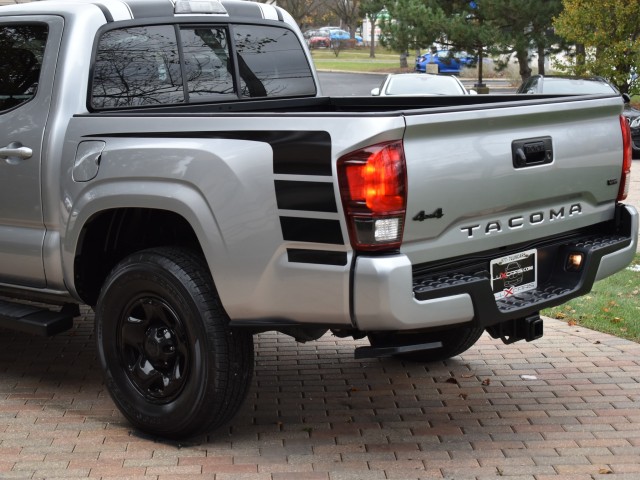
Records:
x=373, y=189
x=625, y=178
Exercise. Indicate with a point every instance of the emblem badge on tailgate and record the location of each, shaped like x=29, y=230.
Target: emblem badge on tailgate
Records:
x=523, y=221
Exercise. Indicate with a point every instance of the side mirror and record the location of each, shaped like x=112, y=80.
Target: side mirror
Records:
x=375, y=92
x=472, y=92
x=626, y=98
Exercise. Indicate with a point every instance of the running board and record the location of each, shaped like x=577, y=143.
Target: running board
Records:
x=36, y=320
x=376, y=352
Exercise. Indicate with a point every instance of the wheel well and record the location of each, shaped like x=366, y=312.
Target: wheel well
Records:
x=111, y=235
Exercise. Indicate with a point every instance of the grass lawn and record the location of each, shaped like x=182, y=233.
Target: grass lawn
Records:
x=358, y=60
x=613, y=306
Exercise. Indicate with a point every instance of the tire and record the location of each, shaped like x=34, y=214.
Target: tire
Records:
x=172, y=365
x=454, y=342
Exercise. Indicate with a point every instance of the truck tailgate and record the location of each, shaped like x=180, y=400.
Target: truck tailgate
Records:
x=488, y=178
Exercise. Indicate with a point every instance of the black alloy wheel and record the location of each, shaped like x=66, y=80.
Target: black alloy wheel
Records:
x=172, y=364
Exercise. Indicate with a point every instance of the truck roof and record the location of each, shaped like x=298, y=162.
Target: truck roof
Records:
x=137, y=9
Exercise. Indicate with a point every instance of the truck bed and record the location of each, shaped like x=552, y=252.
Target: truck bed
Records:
x=365, y=105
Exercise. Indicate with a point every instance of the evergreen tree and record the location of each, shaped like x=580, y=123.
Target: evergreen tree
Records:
x=371, y=9
x=610, y=33
x=413, y=24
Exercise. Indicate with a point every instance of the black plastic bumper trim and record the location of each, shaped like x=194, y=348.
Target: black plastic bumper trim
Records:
x=556, y=284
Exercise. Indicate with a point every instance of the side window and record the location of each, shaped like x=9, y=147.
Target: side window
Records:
x=137, y=66
x=532, y=87
x=22, y=48
x=208, y=67
x=271, y=62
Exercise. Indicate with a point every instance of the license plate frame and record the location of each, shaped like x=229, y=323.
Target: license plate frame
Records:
x=513, y=274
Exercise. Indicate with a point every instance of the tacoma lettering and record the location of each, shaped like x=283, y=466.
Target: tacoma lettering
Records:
x=519, y=221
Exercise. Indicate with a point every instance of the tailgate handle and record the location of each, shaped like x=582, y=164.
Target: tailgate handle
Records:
x=531, y=152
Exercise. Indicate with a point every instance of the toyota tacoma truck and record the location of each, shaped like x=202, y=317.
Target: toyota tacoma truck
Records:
x=175, y=167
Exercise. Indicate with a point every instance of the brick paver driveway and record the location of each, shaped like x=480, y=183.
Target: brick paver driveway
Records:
x=564, y=407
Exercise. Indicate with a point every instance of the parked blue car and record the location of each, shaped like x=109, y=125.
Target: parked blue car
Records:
x=447, y=62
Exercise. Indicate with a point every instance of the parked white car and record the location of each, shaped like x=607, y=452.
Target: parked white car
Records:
x=420, y=84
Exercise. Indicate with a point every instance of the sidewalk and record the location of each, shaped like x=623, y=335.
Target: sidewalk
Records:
x=564, y=407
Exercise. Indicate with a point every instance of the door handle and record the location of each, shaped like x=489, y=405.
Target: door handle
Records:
x=14, y=152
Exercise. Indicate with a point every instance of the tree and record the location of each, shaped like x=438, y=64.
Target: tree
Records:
x=522, y=26
x=468, y=30
x=503, y=27
x=348, y=11
x=543, y=35
x=304, y=12
x=371, y=9
x=610, y=33
x=413, y=24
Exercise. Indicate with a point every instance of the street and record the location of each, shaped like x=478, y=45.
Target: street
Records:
x=341, y=84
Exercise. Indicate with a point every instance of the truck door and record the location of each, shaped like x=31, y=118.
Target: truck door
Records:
x=28, y=53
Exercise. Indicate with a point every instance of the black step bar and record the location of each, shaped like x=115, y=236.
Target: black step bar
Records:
x=389, y=351
x=37, y=320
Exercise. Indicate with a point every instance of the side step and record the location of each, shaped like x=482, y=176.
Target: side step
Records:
x=377, y=352
x=36, y=320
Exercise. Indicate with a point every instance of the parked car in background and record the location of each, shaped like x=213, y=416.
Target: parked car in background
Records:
x=316, y=38
x=322, y=37
x=319, y=40
x=567, y=84
x=420, y=84
x=447, y=61
x=337, y=34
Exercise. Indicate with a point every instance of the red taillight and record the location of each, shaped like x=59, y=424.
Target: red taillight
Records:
x=625, y=178
x=373, y=189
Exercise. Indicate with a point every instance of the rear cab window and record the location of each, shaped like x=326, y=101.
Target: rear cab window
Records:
x=148, y=65
x=22, y=47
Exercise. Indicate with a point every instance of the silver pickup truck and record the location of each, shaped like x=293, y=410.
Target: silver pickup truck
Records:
x=176, y=168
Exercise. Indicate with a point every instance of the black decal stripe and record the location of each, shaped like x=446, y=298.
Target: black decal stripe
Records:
x=306, y=196
x=294, y=152
x=301, y=153
x=146, y=9
x=317, y=257
x=317, y=230
x=105, y=11
x=243, y=9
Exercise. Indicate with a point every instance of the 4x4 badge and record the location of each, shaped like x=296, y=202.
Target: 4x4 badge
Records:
x=422, y=216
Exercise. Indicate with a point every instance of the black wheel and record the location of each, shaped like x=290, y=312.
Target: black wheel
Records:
x=172, y=365
x=454, y=342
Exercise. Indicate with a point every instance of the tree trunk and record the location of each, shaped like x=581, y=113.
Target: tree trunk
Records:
x=480, y=63
x=403, y=60
x=580, y=54
x=523, y=60
x=541, y=59
x=372, y=44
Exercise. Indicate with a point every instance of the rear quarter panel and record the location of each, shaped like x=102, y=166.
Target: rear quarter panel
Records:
x=222, y=174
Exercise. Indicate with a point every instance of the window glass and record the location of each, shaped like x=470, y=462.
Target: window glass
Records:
x=22, y=48
x=423, y=85
x=577, y=86
x=271, y=62
x=137, y=66
x=206, y=61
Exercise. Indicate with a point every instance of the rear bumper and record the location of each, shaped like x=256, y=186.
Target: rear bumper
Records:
x=390, y=294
